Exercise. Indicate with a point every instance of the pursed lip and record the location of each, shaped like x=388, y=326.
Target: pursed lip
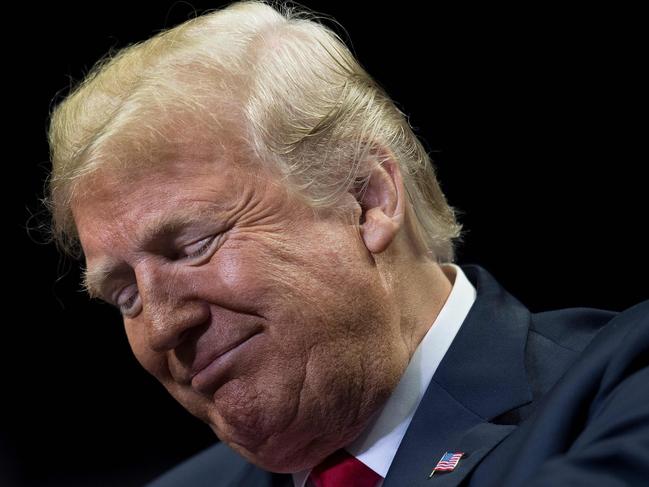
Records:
x=204, y=374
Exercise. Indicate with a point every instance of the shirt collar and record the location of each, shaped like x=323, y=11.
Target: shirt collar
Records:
x=378, y=444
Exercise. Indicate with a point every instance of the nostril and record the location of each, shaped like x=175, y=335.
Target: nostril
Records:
x=191, y=333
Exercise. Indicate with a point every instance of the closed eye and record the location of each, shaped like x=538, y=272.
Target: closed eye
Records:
x=127, y=306
x=199, y=248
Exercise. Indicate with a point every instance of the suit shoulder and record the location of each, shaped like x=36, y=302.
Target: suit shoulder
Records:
x=592, y=424
x=637, y=314
x=627, y=337
x=571, y=328
x=611, y=345
x=216, y=465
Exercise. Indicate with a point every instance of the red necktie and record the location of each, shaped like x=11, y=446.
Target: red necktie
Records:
x=340, y=469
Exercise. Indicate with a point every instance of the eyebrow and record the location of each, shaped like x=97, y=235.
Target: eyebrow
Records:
x=95, y=278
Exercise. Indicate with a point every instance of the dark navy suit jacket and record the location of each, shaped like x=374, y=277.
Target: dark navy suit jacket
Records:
x=558, y=398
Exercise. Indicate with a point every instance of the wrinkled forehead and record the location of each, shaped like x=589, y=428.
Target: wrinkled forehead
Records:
x=122, y=203
x=220, y=173
x=118, y=170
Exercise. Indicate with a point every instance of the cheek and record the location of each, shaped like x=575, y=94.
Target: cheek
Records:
x=247, y=273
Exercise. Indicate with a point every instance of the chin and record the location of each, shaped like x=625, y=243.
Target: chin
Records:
x=284, y=458
x=267, y=455
x=279, y=450
x=289, y=452
x=281, y=464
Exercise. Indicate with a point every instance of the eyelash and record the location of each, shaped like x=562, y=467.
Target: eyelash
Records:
x=128, y=304
x=203, y=248
x=124, y=308
x=130, y=300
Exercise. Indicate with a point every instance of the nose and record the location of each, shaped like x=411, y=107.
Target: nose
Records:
x=170, y=307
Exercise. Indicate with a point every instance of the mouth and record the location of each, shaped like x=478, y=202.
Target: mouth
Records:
x=208, y=378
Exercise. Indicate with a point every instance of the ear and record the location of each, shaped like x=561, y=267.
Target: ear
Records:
x=382, y=203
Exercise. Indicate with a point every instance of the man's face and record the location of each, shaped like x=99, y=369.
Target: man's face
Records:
x=271, y=325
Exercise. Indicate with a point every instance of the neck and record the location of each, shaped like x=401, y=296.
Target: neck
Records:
x=419, y=286
x=423, y=295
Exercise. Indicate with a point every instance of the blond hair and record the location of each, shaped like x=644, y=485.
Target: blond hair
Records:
x=273, y=78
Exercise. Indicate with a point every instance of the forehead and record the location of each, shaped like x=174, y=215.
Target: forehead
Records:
x=179, y=167
x=163, y=195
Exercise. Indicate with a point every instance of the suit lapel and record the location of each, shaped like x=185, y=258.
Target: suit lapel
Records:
x=476, y=443
x=481, y=377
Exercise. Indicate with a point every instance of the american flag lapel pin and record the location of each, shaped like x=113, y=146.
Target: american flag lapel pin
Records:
x=448, y=462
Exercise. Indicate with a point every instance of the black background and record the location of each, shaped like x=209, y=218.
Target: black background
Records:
x=536, y=121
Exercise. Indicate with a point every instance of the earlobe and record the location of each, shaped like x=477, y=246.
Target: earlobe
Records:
x=378, y=230
x=382, y=203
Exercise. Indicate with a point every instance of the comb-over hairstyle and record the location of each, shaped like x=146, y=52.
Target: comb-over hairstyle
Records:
x=270, y=78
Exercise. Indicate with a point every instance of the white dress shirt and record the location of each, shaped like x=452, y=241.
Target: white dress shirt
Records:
x=378, y=444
